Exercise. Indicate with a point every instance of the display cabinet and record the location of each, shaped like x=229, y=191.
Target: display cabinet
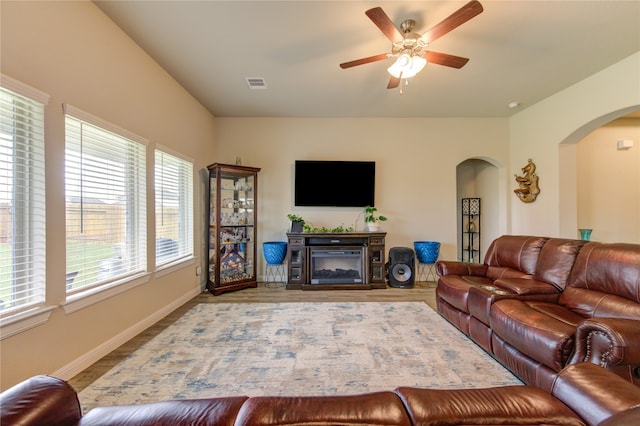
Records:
x=470, y=247
x=233, y=216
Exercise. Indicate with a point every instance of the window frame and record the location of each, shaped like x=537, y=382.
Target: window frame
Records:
x=186, y=205
x=34, y=312
x=99, y=290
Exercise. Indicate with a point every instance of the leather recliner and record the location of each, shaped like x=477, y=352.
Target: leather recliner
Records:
x=539, y=304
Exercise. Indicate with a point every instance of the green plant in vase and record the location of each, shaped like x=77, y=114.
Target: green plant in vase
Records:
x=372, y=219
x=297, y=223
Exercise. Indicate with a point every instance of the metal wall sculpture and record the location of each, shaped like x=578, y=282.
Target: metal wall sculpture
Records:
x=528, y=188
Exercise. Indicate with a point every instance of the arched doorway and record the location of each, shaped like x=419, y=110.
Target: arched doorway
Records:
x=599, y=184
x=482, y=178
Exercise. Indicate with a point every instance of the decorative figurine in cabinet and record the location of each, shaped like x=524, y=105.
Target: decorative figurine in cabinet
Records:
x=232, y=227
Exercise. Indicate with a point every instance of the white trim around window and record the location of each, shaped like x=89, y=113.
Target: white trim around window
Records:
x=22, y=197
x=106, y=209
x=174, y=210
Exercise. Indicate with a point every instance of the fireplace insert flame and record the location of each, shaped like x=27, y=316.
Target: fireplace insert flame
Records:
x=337, y=266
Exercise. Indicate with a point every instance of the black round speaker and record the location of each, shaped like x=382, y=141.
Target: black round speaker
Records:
x=401, y=267
x=401, y=272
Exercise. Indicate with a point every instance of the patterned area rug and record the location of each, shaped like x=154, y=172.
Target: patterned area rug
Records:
x=298, y=349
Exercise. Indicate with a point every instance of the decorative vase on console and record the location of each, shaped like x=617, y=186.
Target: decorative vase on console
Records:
x=297, y=223
x=585, y=234
x=373, y=226
x=371, y=220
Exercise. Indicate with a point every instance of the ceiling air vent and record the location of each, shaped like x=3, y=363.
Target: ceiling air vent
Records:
x=256, y=83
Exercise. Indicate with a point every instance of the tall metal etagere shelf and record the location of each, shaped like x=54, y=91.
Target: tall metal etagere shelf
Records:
x=470, y=247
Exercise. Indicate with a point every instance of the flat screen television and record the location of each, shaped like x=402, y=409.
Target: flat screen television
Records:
x=334, y=183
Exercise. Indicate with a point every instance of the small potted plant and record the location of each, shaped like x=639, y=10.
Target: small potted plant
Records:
x=371, y=220
x=297, y=223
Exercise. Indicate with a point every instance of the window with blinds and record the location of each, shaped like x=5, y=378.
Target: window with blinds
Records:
x=174, y=208
x=105, y=191
x=22, y=198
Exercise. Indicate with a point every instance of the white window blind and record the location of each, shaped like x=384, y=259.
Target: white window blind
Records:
x=105, y=191
x=174, y=207
x=22, y=198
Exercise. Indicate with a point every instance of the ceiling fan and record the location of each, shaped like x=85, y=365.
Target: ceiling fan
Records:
x=409, y=48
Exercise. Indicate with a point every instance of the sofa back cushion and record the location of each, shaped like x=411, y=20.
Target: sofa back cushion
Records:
x=605, y=281
x=517, y=253
x=556, y=261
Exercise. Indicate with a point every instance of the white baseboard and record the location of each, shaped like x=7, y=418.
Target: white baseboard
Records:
x=79, y=364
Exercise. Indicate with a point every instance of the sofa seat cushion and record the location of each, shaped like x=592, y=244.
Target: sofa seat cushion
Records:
x=454, y=289
x=514, y=405
x=596, y=304
x=543, y=331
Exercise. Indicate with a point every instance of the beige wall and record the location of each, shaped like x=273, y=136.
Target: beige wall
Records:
x=415, y=159
x=609, y=182
x=565, y=118
x=73, y=52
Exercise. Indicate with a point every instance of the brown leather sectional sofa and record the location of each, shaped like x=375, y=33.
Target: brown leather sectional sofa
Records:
x=582, y=394
x=539, y=304
x=553, y=311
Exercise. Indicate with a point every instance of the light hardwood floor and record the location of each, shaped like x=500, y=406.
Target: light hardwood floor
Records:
x=422, y=291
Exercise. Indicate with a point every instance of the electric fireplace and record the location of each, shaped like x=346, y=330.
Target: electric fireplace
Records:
x=335, y=260
x=336, y=265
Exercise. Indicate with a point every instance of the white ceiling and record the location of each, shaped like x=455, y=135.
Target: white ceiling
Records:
x=519, y=51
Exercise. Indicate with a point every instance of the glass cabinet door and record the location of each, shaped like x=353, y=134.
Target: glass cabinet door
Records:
x=232, y=219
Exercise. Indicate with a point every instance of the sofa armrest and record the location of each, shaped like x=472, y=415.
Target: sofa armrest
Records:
x=40, y=400
x=449, y=267
x=594, y=393
x=504, y=405
x=608, y=342
x=206, y=411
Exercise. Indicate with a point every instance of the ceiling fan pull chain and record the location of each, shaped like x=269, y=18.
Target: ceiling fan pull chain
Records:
x=406, y=83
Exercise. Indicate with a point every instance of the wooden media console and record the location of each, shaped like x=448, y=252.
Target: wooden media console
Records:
x=331, y=261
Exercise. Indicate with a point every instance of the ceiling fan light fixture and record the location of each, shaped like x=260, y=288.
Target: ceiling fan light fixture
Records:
x=407, y=66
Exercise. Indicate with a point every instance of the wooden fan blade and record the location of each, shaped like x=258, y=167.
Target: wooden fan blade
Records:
x=445, y=59
x=363, y=61
x=394, y=82
x=462, y=15
x=382, y=21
